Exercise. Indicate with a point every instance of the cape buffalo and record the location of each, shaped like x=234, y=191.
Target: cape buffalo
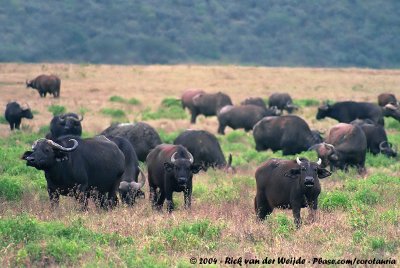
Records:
x=289, y=184
x=377, y=141
x=242, y=116
x=348, y=147
x=65, y=124
x=387, y=98
x=90, y=165
x=187, y=102
x=205, y=149
x=282, y=101
x=288, y=133
x=347, y=111
x=14, y=113
x=142, y=136
x=129, y=188
x=209, y=104
x=170, y=169
x=46, y=84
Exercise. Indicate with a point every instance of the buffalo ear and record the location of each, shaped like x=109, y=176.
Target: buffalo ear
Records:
x=323, y=173
x=292, y=173
x=26, y=154
x=168, y=166
x=196, y=168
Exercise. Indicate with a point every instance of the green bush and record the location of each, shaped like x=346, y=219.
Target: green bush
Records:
x=116, y=113
x=3, y=120
x=131, y=101
x=56, y=109
x=282, y=225
x=366, y=196
x=306, y=102
x=11, y=188
x=169, y=109
x=333, y=200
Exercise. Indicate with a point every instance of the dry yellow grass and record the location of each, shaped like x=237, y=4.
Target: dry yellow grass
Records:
x=90, y=86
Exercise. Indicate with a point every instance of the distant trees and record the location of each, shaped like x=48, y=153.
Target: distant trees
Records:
x=363, y=33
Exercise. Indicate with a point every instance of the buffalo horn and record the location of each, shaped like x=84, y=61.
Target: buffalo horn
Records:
x=36, y=142
x=138, y=185
x=314, y=146
x=298, y=161
x=173, y=158
x=191, y=159
x=61, y=148
x=62, y=117
x=383, y=145
x=319, y=161
x=391, y=107
x=329, y=145
x=77, y=120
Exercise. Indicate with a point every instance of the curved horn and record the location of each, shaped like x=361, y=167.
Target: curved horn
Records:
x=61, y=117
x=138, y=185
x=76, y=119
x=319, y=161
x=61, y=148
x=191, y=159
x=314, y=146
x=381, y=145
x=329, y=145
x=173, y=158
x=391, y=107
x=298, y=161
x=36, y=143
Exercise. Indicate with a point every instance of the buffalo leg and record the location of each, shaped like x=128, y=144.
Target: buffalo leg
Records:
x=221, y=129
x=12, y=126
x=153, y=195
x=193, y=118
x=296, y=214
x=160, y=201
x=312, y=210
x=82, y=196
x=170, y=203
x=263, y=209
x=187, y=195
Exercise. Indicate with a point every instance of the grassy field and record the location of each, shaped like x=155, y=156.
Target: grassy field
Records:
x=358, y=217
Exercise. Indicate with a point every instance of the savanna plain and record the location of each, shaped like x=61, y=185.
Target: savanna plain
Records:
x=358, y=216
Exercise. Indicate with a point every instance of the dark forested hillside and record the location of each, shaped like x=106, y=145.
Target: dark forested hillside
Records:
x=363, y=33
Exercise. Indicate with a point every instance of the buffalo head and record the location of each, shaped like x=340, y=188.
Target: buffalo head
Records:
x=323, y=111
x=388, y=149
x=307, y=172
x=182, y=168
x=130, y=189
x=26, y=111
x=392, y=111
x=326, y=152
x=45, y=153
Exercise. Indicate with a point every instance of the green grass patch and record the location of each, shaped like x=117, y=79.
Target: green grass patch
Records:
x=333, y=200
x=170, y=108
x=306, y=102
x=57, y=109
x=31, y=241
x=116, y=113
x=3, y=120
x=168, y=137
x=281, y=224
x=35, y=112
x=391, y=123
x=198, y=235
x=119, y=99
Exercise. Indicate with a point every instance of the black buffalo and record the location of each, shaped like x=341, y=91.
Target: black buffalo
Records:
x=93, y=165
x=65, y=124
x=14, y=113
x=209, y=104
x=242, y=116
x=387, y=98
x=205, y=149
x=288, y=133
x=377, y=141
x=289, y=184
x=347, y=111
x=129, y=188
x=46, y=84
x=142, y=136
x=347, y=147
x=170, y=169
x=282, y=101
x=187, y=102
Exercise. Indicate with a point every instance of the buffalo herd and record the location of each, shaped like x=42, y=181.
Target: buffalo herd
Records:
x=108, y=165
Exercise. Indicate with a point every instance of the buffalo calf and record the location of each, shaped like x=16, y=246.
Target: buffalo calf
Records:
x=289, y=184
x=14, y=113
x=170, y=169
